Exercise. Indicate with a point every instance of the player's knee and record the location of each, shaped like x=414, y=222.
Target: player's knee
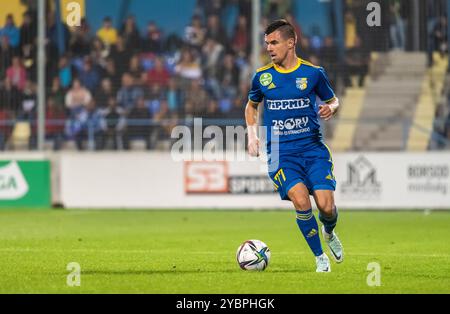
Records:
x=326, y=207
x=301, y=202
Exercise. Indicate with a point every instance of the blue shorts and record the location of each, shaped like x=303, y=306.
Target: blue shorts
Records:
x=313, y=168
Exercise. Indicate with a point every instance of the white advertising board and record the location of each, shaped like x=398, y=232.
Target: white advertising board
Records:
x=155, y=180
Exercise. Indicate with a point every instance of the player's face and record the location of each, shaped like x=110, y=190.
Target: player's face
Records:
x=277, y=46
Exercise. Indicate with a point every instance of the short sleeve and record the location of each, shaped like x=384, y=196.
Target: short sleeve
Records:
x=323, y=87
x=255, y=94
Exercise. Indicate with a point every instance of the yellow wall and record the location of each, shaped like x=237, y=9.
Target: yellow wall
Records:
x=14, y=7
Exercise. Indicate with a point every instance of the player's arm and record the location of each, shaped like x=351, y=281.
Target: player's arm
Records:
x=327, y=111
x=251, y=118
x=325, y=92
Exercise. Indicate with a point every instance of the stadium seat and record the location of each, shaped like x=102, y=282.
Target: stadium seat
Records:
x=21, y=135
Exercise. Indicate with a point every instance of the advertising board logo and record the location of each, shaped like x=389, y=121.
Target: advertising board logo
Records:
x=251, y=185
x=429, y=179
x=204, y=177
x=362, y=183
x=13, y=185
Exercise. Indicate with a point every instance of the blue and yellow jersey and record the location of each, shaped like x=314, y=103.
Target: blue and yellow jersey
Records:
x=290, y=108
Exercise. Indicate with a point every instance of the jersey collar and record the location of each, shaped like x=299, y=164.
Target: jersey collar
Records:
x=278, y=69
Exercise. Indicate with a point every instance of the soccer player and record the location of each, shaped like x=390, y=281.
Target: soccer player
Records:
x=299, y=162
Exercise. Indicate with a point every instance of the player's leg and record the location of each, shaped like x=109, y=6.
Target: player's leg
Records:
x=328, y=215
x=307, y=223
x=321, y=181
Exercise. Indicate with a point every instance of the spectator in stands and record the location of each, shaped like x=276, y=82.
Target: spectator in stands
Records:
x=120, y=55
x=215, y=30
x=57, y=93
x=208, y=7
x=129, y=93
x=99, y=53
x=135, y=69
x=329, y=59
x=228, y=76
x=212, y=110
x=65, y=72
x=53, y=37
x=440, y=35
x=29, y=55
x=397, y=26
x=92, y=127
x=196, y=95
x=28, y=35
x=188, y=67
x=104, y=93
x=237, y=110
x=356, y=63
x=241, y=37
x=6, y=55
x=5, y=128
x=89, y=75
x=305, y=50
x=17, y=74
x=173, y=97
x=153, y=40
x=78, y=96
x=194, y=34
x=212, y=56
x=107, y=33
x=130, y=35
x=158, y=74
x=350, y=30
x=29, y=101
x=54, y=123
x=138, y=124
x=10, y=97
x=111, y=73
x=28, y=31
x=276, y=8
x=80, y=40
x=115, y=124
x=156, y=93
x=11, y=31
x=166, y=122
x=189, y=111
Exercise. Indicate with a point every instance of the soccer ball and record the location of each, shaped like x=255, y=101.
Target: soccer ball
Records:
x=253, y=255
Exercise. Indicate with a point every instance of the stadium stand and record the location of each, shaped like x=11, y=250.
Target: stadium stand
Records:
x=390, y=103
x=121, y=86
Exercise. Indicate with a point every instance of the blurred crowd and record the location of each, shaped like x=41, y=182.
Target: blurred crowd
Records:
x=115, y=84
x=107, y=87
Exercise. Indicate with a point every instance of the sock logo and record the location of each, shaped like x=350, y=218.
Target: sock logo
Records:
x=312, y=233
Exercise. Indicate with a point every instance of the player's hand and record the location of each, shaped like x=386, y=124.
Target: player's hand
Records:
x=325, y=112
x=253, y=147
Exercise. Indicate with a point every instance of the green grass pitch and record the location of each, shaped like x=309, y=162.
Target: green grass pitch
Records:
x=194, y=252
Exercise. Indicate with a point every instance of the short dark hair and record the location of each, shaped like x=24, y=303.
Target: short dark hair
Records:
x=285, y=28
